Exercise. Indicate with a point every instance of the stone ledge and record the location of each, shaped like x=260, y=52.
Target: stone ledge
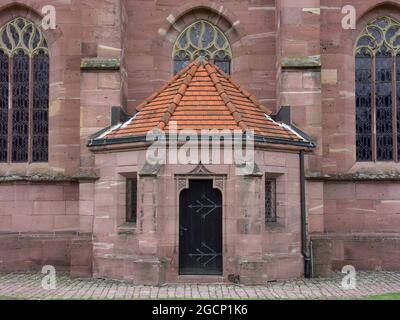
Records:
x=308, y=62
x=42, y=178
x=354, y=177
x=356, y=236
x=47, y=235
x=100, y=64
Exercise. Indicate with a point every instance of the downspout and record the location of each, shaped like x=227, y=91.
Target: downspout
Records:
x=305, y=248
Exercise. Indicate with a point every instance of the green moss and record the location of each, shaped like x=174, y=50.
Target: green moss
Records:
x=302, y=62
x=388, y=296
x=93, y=64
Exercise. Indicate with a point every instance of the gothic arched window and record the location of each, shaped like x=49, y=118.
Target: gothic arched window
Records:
x=202, y=39
x=378, y=91
x=24, y=93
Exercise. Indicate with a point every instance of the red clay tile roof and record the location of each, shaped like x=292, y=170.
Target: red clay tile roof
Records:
x=202, y=96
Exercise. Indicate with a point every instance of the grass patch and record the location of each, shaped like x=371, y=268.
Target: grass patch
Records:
x=388, y=296
x=10, y=298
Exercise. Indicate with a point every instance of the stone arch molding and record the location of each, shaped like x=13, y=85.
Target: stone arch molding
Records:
x=14, y=10
x=22, y=34
x=384, y=31
x=387, y=5
x=200, y=172
x=182, y=17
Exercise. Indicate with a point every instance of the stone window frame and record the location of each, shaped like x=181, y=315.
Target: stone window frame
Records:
x=270, y=187
x=125, y=227
x=368, y=44
x=10, y=47
x=280, y=204
x=186, y=51
x=186, y=14
x=131, y=207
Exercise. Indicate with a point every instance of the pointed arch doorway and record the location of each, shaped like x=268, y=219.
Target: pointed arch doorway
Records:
x=200, y=229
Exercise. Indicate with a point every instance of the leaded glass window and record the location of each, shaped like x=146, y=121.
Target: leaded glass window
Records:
x=131, y=199
x=377, y=91
x=398, y=102
x=20, y=107
x=24, y=89
x=4, y=83
x=270, y=201
x=202, y=39
x=40, y=120
x=363, y=106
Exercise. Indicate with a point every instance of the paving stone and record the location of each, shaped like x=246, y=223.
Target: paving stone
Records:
x=28, y=286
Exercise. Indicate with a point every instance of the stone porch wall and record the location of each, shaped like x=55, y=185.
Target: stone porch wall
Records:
x=148, y=251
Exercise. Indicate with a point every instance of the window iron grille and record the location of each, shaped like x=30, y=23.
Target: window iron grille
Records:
x=131, y=200
x=270, y=201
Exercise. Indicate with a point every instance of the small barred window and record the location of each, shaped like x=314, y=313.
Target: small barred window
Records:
x=131, y=199
x=270, y=201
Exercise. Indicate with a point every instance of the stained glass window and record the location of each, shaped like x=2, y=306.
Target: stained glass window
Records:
x=40, y=119
x=363, y=106
x=20, y=107
x=24, y=89
x=202, y=39
x=384, y=115
x=270, y=201
x=377, y=100
x=398, y=101
x=4, y=82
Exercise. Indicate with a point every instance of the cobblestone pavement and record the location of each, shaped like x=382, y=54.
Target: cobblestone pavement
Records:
x=28, y=286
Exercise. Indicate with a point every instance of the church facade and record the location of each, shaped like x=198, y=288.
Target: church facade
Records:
x=79, y=98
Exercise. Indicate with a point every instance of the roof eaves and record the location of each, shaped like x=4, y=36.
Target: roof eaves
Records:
x=144, y=138
x=282, y=141
x=113, y=141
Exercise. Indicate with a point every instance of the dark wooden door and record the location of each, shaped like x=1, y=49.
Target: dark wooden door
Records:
x=200, y=229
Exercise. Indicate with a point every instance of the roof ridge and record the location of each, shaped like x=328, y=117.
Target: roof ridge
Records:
x=165, y=86
x=211, y=70
x=190, y=72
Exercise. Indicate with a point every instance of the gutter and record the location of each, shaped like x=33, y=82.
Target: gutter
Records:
x=94, y=142
x=305, y=245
